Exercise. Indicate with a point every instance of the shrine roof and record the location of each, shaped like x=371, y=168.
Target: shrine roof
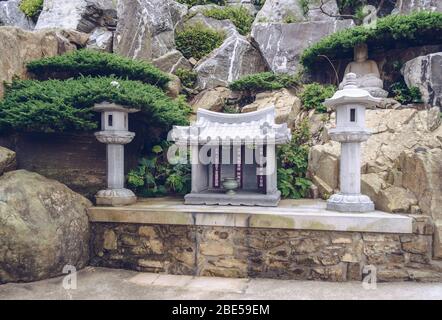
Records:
x=253, y=127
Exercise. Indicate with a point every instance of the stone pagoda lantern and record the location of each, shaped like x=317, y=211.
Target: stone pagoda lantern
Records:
x=350, y=104
x=114, y=132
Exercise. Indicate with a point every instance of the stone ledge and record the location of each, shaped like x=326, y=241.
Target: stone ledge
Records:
x=291, y=214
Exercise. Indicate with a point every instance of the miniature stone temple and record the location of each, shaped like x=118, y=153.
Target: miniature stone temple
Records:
x=114, y=126
x=367, y=72
x=233, y=157
x=350, y=131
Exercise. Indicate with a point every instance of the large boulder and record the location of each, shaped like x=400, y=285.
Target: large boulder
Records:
x=101, y=39
x=11, y=15
x=283, y=11
x=211, y=99
x=281, y=44
x=409, y=6
x=19, y=47
x=80, y=15
x=425, y=72
x=8, y=161
x=287, y=105
x=146, y=28
x=401, y=165
x=43, y=227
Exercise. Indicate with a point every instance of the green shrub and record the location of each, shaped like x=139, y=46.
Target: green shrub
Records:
x=314, y=94
x=405, y=95
x=94, y=63
x=192, y=3
x=188, y=77
x=239, y=16
x=421, y=28
x=31, y=8
x=197, y=41
x=58, y=106
x=264, y=81
x=155, y=176
x=293, y=163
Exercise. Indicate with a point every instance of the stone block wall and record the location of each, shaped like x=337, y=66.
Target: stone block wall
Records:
x=265, y=253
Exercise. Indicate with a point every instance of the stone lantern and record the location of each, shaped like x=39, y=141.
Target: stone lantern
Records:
x=114, y=132
x=350, y=104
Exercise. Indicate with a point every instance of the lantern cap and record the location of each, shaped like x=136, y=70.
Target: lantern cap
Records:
x=351, y=93
x=107, y=106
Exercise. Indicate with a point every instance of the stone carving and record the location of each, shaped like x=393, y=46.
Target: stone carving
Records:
x=367, y=72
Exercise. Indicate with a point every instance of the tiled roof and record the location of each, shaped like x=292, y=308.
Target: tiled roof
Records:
x=253, y=127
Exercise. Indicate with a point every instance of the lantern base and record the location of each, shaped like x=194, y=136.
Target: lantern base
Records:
x=115, y=197
x=350, y=203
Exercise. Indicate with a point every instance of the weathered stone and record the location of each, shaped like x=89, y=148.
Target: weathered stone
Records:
x=173, y=87
x=281, y=45
x=287, y=105
x=236, y=57
x=425, y=72
x=292, y=11
x=418, y=244
x=437, y=244
x=409, y=6
x=8, y=160
x=146, y=28
x=18, y=47
x=391, y=274
x=101, y=39
x=337, y=273
x=81, y=15
x=147, y=231
x=109, y=240
x=11, y=15
x=172, y=61
x=43, y=227
x=211, y=99
x=213, y=248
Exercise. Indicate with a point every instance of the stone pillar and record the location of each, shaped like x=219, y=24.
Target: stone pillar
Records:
x=350, y=104
x=271, y=170
x=114, y=126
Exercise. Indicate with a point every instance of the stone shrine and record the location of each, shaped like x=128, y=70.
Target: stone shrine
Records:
x=233, y=157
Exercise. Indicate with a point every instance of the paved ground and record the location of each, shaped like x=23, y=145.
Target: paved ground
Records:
x=101, y=283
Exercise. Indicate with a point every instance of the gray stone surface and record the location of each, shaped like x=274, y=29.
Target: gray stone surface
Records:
x=290, y=214
x=81, y=15
x=281, y=44
x=8, y=161
x=11, y=15
x=43, y=226
x=408, y=6
x=425, y=72
x=101, y=39
x=124, y=284
x=146, y=28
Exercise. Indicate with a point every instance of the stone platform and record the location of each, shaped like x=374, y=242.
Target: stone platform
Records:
x=296, y=240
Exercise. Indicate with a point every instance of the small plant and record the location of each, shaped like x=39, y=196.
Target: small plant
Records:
x=192, y=3
x=93, y=63
x=293, y=163
x=290, y=19
x=198, y=41
x=304, y=6
x=155, y=176
x=405, y=95
x=314, y=94
x=231, y=109
x=264, y=81
x=31, y=8
x=239, y=16
x=188, y=77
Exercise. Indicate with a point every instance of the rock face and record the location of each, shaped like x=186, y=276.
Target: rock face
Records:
x=235, y=58
x=8, y=160
x=43, y=227
x=287, y=105
x=211, y=99
x=81, y=15
x=408, y=6
x=146, y=28
x=399, y=167
x=19, y=47
x=101, y=39
x=289, y=11
x=425, y=72
x=281, y=44
x=11, y=15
